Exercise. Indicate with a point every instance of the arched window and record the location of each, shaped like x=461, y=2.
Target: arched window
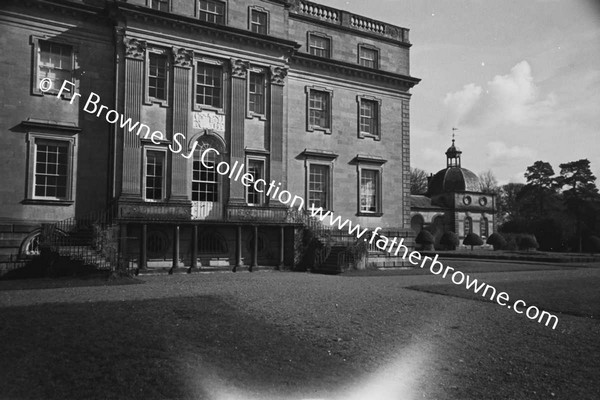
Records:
x=205, y=180
x=483, y=228
x=468, y=225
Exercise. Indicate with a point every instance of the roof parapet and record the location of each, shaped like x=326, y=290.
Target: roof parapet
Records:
x=334, y=16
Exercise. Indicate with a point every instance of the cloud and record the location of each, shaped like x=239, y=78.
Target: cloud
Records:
x=459, y=103
x=506, y=99
x=499, y=152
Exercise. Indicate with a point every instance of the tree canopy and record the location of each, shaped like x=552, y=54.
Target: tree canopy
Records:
x=418, y=181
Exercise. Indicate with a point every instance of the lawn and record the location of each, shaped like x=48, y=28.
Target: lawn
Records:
x=575, y=296
x=293, y=336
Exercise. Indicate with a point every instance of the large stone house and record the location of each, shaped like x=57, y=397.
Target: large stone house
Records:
x=312, y=99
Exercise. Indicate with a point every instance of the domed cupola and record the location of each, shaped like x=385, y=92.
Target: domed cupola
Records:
x=453, y=178
x=453, y=156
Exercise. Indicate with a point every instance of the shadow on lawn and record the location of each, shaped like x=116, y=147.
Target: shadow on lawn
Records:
x=151, y=349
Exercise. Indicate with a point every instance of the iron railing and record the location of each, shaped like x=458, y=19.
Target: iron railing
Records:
x=91, y=239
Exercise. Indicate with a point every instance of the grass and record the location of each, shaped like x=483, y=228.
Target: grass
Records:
x=466, y=266
x=300, y=336
x=66, y=282
x=573, y=296
x=144, y=349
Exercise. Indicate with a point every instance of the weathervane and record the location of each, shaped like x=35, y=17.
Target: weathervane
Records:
x=453, y=130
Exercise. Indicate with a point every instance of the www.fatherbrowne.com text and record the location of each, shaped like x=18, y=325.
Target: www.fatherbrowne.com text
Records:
x=272, y=190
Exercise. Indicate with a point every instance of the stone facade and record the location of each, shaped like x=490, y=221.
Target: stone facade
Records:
x=311, y=97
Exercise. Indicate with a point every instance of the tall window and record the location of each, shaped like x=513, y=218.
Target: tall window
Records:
x=161, y=5
x=205, y=186
x=256, y=93
x=468, y=225
x=369, y=117
x=368, y=57
x=369, y=191
x=319, y=109
x=258, y=21
x=319, y=45
x=256, y=168
x=209, y=85
x=483, y=228
x=51, y=169
x=155, y=175
x=318, y=186
x=157, y=76
x=212, y=11
x=55, y=62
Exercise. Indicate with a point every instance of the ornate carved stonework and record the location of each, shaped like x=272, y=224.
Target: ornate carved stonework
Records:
x=209, y=120
x=135, y=48
x=239, y=68
x=154, y=211
x=278, y=75
x=182, y=57
x=394, y=32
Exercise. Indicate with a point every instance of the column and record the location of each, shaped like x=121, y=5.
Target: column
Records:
x=135, y=52
x=239, y=71
x=254, y=262
x=278, y=75
x=142, y=263
x=281, y=247
x=194, y=263
x=175, y=249
x=238, y=249
x=123, y=241
x=182, y=64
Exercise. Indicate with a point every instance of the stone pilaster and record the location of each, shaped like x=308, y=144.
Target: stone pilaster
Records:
x=135, y=51
x=182, y=64
x=405, y=163
x=278, y=75
x=239, y=71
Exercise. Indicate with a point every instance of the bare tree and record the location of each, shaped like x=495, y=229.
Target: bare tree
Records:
x=488, y=183
x=418, y=181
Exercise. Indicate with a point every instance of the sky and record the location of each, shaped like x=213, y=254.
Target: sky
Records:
x=519, y=79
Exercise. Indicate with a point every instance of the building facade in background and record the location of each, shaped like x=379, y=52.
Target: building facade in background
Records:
x=454, y=203
x=311, y=100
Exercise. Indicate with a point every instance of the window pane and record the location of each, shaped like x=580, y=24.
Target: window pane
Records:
x=369, y=190
x=154, y=175
x=256, y=168
x=319, y=46
x=162, y=5
x=205, y=186
x=157, y=76
x=369, y=117
x=318, y=107
x=256, y=96
x=318, y=186
x=212, y=11
x=368, y=57
x=51, y=169
x=258, y=22
x=55, y=63
x=209, y=85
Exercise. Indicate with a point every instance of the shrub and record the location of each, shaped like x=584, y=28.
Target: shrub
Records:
x=527, y=242
x=497, y=240
x=425, y=239
x=449, y=240
x=472, y=239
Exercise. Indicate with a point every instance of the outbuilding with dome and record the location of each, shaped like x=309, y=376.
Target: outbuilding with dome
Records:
x=453, y=202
